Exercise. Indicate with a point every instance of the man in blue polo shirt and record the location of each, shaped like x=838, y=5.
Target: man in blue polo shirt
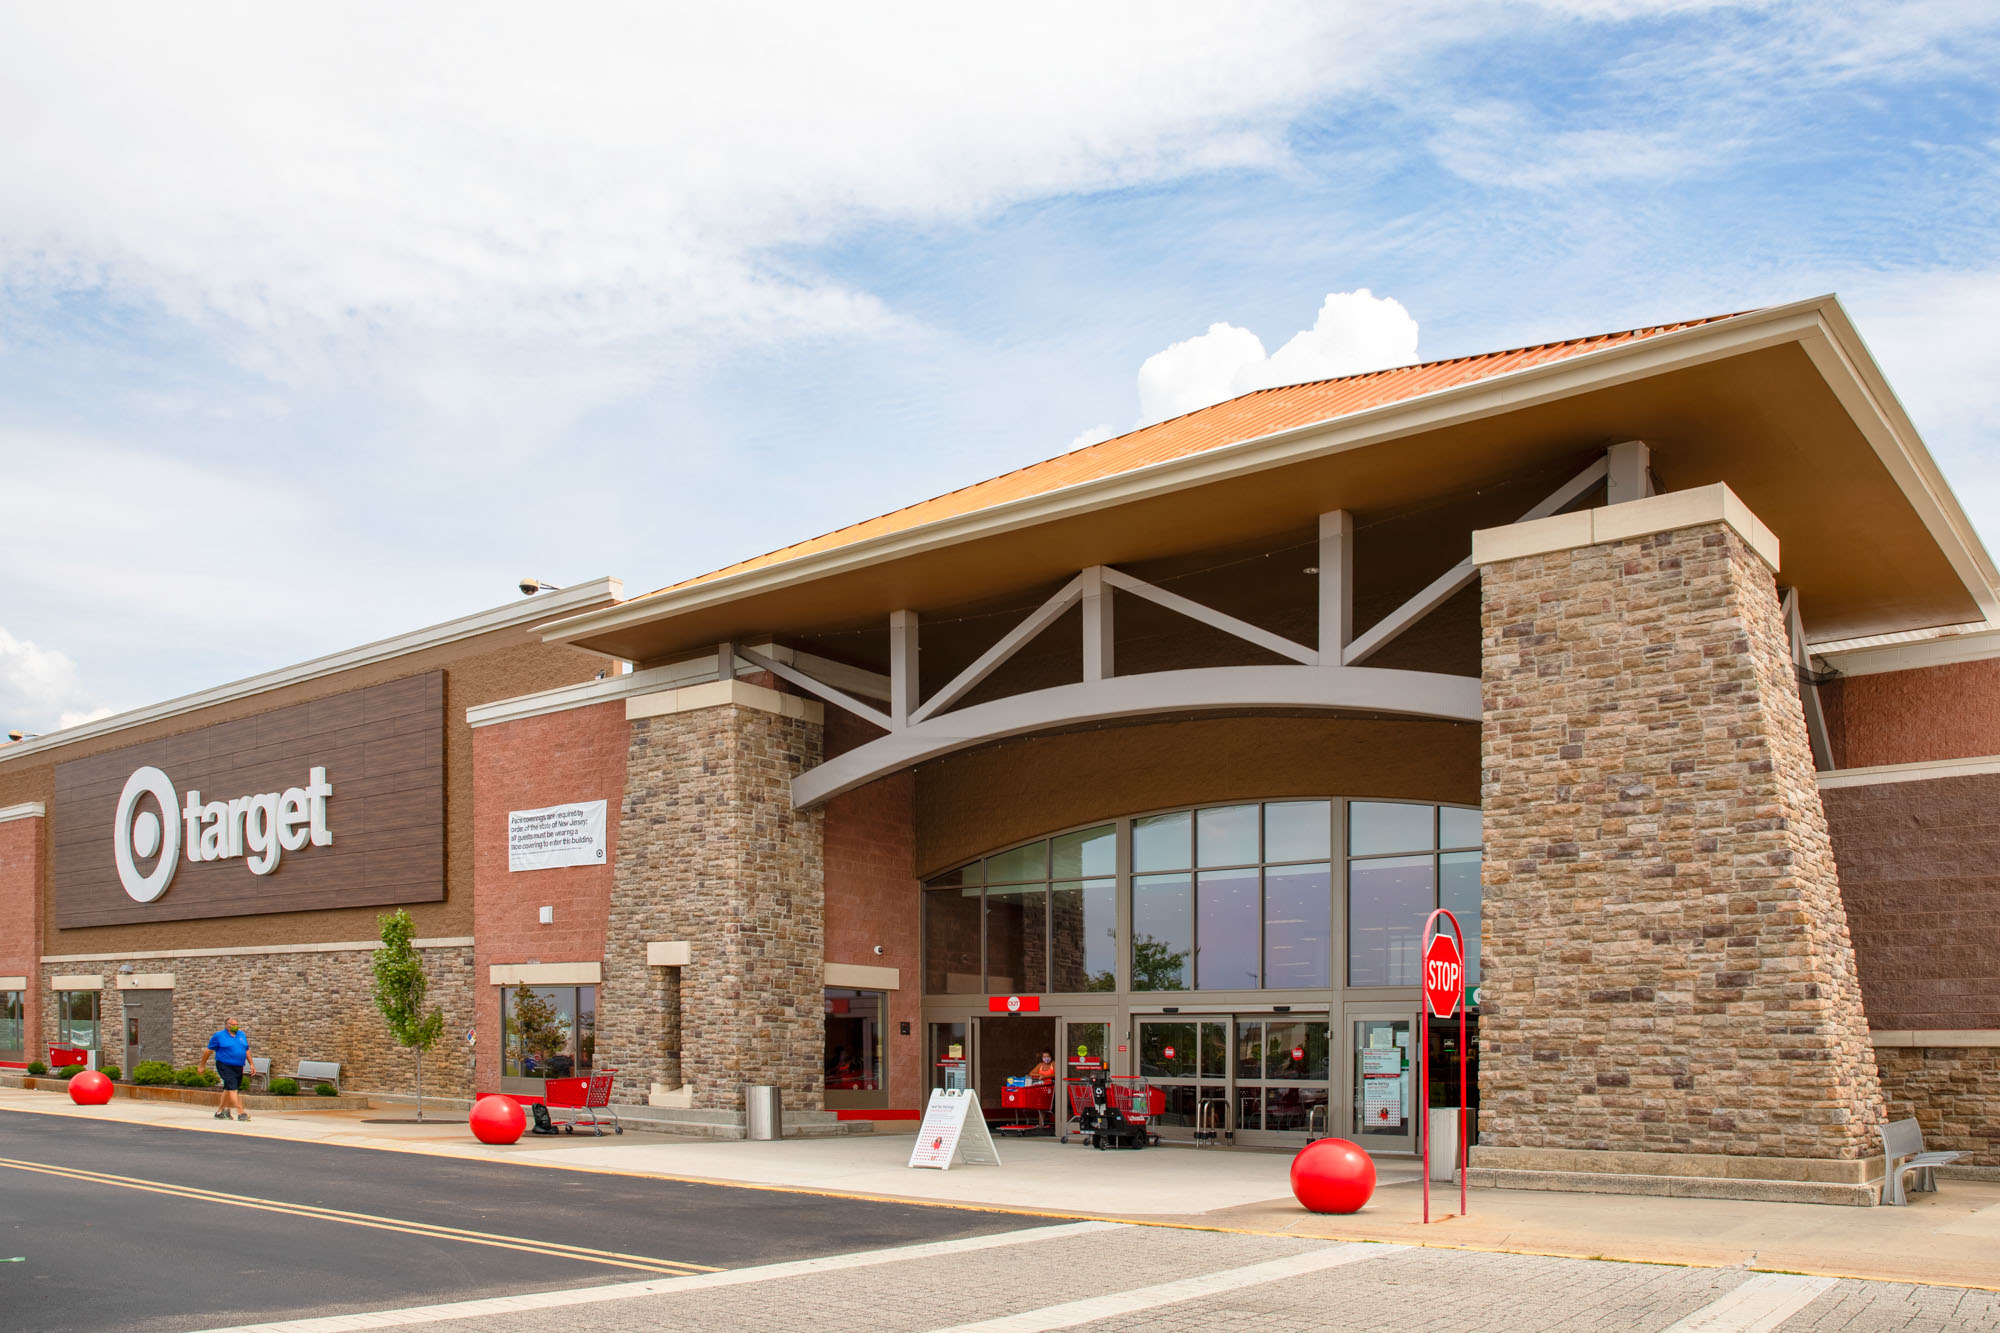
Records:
x=231, y=1048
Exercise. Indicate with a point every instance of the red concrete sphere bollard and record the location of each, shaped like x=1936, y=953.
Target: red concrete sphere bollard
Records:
x=89, y=1088
x=497, y=1119
x=1333, y=1176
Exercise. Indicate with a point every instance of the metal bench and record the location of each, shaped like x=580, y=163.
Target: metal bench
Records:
x=1903, y=1153
x=319, y=1071
x=260, y=1067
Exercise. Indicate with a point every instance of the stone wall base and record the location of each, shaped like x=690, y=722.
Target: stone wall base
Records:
x=1952, y=1091
x=1851, y=1182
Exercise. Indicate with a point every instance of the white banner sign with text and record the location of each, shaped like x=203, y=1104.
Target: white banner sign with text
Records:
x=556, y=835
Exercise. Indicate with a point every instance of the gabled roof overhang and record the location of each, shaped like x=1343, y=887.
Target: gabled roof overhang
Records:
x=1785, y=405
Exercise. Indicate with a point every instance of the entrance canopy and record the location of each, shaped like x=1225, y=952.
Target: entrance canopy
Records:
x=1784, y=405
x=1264, y=549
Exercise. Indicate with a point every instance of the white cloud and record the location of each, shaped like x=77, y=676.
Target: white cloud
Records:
x=488, y=212
x=1495, y=144
x=1928, y=331
x=1355, y=332
x=1095, y=435
x=40, y=689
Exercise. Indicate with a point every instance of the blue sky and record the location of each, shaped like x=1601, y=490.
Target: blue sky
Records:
x=310, y=335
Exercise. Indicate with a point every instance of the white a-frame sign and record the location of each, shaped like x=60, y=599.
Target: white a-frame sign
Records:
x=953, y=1130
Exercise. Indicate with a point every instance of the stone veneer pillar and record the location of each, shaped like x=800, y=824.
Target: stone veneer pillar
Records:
x=1668, y=987
x=711, y=854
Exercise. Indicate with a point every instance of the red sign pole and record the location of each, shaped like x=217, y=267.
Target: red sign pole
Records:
x=1464, y=1053
x=1444, y=991
x=1424, y=1093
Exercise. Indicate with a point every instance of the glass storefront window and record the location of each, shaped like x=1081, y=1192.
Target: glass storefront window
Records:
x=1298, y=927
x=1083, y=936
x=1381, y=826
x=13, y=1029
x=1004, y=926
x=1085, y=854
x=1387, y=901
x=547, y=1031
x=1019, y=865
x=1226, y=929
x=1298, y=830
x=1226, y=835
x=1162, y=932
x=855, y=1020
x=1228, y=897
x=1017, y=949
x=1163, y=842
x=76, y=1018
x=951, y=942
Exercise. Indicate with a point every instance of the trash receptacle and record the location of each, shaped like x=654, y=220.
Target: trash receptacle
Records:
x=1444, y=1143
x=763, y=1114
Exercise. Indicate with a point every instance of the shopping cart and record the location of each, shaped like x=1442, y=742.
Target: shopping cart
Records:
x=583, y=1097
x=1111, y=1112
x=1139, y=1102
x=1082, y=1108
x=1033, y=1100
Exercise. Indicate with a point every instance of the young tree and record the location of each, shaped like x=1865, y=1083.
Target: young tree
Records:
x=400, y=990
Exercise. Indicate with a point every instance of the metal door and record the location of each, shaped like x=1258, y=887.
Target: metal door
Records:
x=149, y=1026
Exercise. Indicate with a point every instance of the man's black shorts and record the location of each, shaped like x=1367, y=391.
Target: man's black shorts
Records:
x=232, y=1076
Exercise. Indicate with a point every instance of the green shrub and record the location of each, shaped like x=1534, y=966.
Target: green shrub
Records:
x=69, y=1071
x=153, y=1072
x=36, y=1068
x=111, y=1072
x=326, y=1090
x=284, y=1087
x=197, y=1077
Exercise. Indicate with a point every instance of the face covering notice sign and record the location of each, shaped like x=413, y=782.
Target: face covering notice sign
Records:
x=556, y=835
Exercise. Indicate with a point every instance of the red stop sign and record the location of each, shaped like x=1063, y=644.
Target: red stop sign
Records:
x=1444, y=976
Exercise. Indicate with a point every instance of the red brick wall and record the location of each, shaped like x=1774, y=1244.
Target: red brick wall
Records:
x=1920, y=874
x=21, y=913
x=555, y=759
x=1907, y=717
x=871, y=899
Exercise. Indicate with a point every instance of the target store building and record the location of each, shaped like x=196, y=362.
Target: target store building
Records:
x=1665, y=659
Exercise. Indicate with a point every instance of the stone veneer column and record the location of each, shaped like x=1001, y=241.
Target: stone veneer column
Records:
x=1667, y=968
x=711, y=853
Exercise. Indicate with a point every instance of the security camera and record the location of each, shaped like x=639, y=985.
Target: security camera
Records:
x=878, y=951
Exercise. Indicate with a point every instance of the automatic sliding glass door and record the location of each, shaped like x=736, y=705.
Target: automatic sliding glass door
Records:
x=1188, y=1060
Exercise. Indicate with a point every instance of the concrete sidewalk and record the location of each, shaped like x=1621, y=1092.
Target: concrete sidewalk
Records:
x=1951, y=1237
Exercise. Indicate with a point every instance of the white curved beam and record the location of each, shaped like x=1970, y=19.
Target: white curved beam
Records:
x=1373, y=689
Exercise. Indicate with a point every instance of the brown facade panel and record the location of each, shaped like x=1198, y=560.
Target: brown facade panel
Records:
x=1920, y=872
x=504, y=664
x=381, y=749
x=986, y=799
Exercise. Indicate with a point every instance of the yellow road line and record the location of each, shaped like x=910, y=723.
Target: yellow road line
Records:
x=554, y=1249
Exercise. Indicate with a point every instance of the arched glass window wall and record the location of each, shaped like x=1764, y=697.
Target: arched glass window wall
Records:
x=1241, y=897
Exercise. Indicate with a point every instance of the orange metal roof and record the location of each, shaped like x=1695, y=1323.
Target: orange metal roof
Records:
x=1251, y=416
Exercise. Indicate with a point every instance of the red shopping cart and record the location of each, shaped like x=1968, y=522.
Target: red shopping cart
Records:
x=1034, y=1106
x=1139, y=1102
x=583, y=1097
x=1113, y=1112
